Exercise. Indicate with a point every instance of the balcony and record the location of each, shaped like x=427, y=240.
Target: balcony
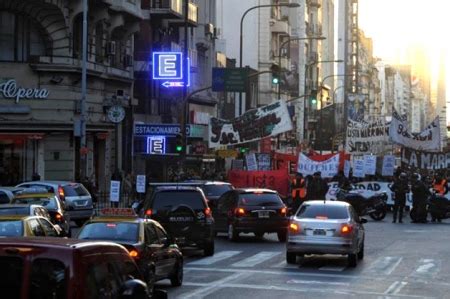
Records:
x=280, y=27
x=166, y=9
x=192, y=17
x=132, y=7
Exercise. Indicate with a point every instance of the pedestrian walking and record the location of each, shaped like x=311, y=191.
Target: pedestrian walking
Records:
x=400, y=189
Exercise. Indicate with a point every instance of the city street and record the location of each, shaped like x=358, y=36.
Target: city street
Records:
x=401, y=261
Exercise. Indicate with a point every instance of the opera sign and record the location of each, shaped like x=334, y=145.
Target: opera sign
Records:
x=9, y=90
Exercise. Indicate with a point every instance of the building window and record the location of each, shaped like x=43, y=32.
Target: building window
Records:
x=20, y=38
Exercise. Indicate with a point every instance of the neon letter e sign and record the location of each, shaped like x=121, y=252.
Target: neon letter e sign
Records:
x=168, y=66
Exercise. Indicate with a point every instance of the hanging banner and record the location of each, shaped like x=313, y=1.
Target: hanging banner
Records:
x=388, y=165
x=274, y=179
x=425, y=160
x=358, y=168
x=328, y=168
x=427, y=140
x=255, y=124
x=370, y=164
x=250, y=161
x=364, y=138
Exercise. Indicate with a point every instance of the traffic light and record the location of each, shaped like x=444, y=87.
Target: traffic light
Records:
x=313, y=97
x=276, y=71
x=243, y=150
x=179, y=143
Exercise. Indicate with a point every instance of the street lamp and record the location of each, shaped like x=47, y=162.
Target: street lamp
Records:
x=288, y=41
x=241, y=35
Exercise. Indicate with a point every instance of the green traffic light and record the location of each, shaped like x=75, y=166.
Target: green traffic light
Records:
x=178, y=148
x=243, y=150
x=313, y=101
x=275, y=80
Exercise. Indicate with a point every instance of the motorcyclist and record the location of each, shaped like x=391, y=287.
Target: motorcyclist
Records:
x=420, y=194
x=400, y=189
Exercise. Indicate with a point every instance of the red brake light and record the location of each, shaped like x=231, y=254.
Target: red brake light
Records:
x=58, y=216
x=322, y=217
x=61, y=193
x=148, y=212
x=346, y=229
x=111, y=225
x=239, y=212
x=208, y=212
x=283, y=211
x=294, y=228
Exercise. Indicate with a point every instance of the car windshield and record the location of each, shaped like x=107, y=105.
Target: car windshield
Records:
x=75, y=190
x=113, y=231
x=216, y=190
x=168, y=200
x=323, y=212
x=257, y=199
x=10, y=228
x=47, y=202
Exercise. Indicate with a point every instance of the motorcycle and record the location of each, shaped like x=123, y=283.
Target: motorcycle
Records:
x=375, y=206
x=438, y=207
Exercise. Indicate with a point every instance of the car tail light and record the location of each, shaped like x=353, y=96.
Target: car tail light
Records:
x=61, y=194
x=58, y=217
x=239, y=212
x=148, y=212
x=283, y=211
x=346, y=229
x=208, y=213
x=133, y=253
x=294, y=228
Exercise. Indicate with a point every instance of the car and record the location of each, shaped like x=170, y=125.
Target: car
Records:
x=212, y=189
x=184, y=212
x=251, y=210
x=76, y=197
x=69, y=268
x=25, y=209
x=27, y=226
x=146, y=240
x=326, y=227
x=58, y=215
x=7, y=193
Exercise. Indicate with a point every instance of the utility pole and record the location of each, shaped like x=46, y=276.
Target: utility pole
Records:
x=83, y=147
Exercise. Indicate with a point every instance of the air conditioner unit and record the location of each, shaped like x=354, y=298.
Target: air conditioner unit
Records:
x=111, y=48
x=128, y=60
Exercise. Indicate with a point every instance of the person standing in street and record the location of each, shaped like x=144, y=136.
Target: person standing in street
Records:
x=317, y=188
x=420, y=194
x=400, y=189
x=440, y=185
x=298, y=187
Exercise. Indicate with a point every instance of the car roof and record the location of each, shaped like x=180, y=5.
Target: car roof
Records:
x=335, y=203
x=251, y=190
x=10, y=188
x=39, y=195
x=176, y=188
x=14, y=217
x=216, y=183
x=63, y=183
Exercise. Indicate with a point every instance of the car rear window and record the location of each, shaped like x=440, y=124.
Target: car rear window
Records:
x=48, y=279
x=168, y=200
x=75, y=190
x=256, y=199
x=48, y=202
x=11, y=271
x=114, y=231
x=215, y=190
x=9, y=228
x=14, y=210
x=323, y=211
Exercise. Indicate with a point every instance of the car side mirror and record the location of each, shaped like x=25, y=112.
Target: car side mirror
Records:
x=134, y=288
x=362, y=220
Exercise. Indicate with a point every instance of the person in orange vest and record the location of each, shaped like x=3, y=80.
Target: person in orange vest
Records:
x=440, y=185
x=298, y=187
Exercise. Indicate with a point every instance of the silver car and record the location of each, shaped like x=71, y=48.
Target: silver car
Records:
x=326, y=227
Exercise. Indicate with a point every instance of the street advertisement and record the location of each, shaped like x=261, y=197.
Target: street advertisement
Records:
x=425, y=160
x=367, y=189
x=365, y=138
x=253, y=125
x=428, y=140
x=328, y=168
x=114, y=191
x=274, y=179
x=388, y=165
x=370, y=164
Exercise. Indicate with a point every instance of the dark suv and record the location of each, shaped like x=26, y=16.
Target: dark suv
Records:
x=183, y=211
x=255, y=211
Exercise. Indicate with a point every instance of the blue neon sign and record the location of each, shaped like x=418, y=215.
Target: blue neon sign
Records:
x=156, y=145
x=168, y=67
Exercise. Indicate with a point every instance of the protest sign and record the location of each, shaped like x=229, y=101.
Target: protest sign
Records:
x=388, y=165
x=370, y=164
x=358, y=168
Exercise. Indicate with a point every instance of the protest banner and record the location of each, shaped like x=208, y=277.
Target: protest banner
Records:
x=253, y=125
x=364, y=138
x=424, y=160
x=427, y=140
x=273, y=179
x=328, y=168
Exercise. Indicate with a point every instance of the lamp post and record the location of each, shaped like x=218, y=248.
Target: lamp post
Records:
x=82, y=123
x=241, y=34
x=288, y=41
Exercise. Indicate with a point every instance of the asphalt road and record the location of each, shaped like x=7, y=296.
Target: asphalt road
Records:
x=401, y=261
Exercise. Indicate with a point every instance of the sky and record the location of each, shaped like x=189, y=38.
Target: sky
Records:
x=396, y=24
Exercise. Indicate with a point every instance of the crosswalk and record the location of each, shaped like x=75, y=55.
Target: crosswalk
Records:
x=382, y=265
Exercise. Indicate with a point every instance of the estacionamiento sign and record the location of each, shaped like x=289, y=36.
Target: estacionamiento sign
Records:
x=425, y=160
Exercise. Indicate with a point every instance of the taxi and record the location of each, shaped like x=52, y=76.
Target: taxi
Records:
x=27, y=226
x=146, y=240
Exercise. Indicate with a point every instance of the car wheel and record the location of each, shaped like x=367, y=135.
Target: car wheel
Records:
x=177, y=278
x=361, y=252
x=208, y=250
x=291, y=257
x=259, y=235
x=233, y=234
x=282, y=236
x=80, y=222
x=352, y=260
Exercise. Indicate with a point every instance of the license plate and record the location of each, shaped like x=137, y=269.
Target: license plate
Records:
x=181, y=219
x=263, y=214
x=320, y=232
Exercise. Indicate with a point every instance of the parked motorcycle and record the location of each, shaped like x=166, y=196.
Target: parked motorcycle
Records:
x=437, y=206
x=375, y=206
